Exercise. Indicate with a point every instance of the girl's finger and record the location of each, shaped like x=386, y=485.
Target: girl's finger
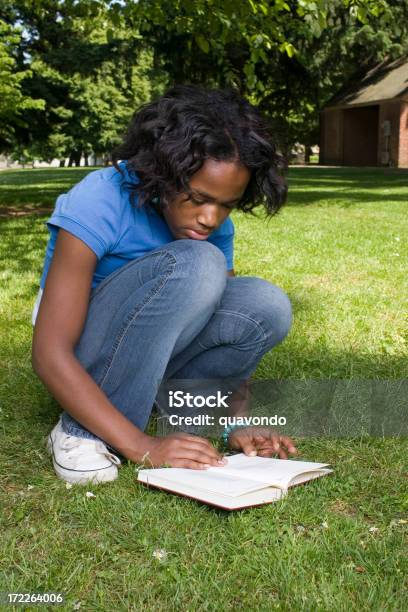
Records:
x=201, y=445
x=205, y=451
x=193, y=438
x=260, y=440
x=272, y=442
x=248, y=447
x=194, y=454
x=288, y=444
x=192, y=465
x=282, y=454
x=266, y=452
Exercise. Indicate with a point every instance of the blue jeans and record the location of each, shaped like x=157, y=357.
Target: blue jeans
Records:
x=175, y=314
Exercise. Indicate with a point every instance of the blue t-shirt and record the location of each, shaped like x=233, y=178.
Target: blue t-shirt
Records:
x=98, y=211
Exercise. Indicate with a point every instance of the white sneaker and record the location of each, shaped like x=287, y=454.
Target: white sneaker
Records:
x=81, y=460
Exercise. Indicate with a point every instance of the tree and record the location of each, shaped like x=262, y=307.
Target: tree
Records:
x=289, y=56
x=90, y=75
x=94, y=62
x=13, y=102
x=90, y=113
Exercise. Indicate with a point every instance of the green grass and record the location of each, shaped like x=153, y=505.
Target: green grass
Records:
x=339, y=249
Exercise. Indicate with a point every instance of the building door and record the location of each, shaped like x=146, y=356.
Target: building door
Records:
x=360, y=136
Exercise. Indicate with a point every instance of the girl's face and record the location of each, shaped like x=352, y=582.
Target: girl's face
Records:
x=216, y=189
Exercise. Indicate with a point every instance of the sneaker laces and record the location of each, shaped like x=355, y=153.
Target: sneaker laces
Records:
x=84, y=445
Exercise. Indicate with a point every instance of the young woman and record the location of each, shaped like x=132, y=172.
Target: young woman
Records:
x=138, y=284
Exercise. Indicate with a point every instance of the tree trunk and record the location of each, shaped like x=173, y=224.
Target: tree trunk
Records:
x=62, y=163
x=75, y=158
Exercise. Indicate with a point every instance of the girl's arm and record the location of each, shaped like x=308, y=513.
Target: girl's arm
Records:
x=58, y=328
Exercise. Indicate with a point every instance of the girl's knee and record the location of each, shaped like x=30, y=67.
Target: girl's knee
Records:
x=202, y=266
x=199, y=256
x=272, y=308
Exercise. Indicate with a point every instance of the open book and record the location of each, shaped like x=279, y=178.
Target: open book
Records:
x=244, y=481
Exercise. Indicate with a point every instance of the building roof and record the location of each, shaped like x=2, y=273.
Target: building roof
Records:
x=384, y=82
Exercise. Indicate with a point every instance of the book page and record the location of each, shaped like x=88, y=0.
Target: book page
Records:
x=275, y=472
x=265, y=495
x=215, y=480
x=241, y=475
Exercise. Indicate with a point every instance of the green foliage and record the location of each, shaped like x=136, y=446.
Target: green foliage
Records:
x=13, y=102
x=94, y=111
x=94, y=62
x=90, y=75
x=290, y=57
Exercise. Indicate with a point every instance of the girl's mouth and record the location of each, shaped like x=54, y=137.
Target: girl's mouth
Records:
x=197, y=235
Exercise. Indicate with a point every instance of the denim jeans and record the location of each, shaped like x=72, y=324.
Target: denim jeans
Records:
x=175, y=314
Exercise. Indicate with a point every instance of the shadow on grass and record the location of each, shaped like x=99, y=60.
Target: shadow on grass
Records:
x=37, y=187
x=31, y=190
x=21, y=243
x=345, y=199
x=25, y=400
x=348, y=186
x=29, y=411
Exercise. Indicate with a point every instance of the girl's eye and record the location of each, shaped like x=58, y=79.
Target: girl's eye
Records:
x=198, y=202
x=201, y=202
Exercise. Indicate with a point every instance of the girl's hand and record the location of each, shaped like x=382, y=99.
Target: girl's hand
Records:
x=184, y=451
x=261, y=441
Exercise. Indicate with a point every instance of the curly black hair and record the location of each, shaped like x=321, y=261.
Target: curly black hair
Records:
x=168, y=140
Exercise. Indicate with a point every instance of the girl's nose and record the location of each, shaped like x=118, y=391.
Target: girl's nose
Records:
x=209, y=216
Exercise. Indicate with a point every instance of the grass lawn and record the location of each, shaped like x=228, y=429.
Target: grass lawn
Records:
x=339, y=249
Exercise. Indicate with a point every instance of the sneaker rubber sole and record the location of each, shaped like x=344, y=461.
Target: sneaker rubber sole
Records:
x=107, y=474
